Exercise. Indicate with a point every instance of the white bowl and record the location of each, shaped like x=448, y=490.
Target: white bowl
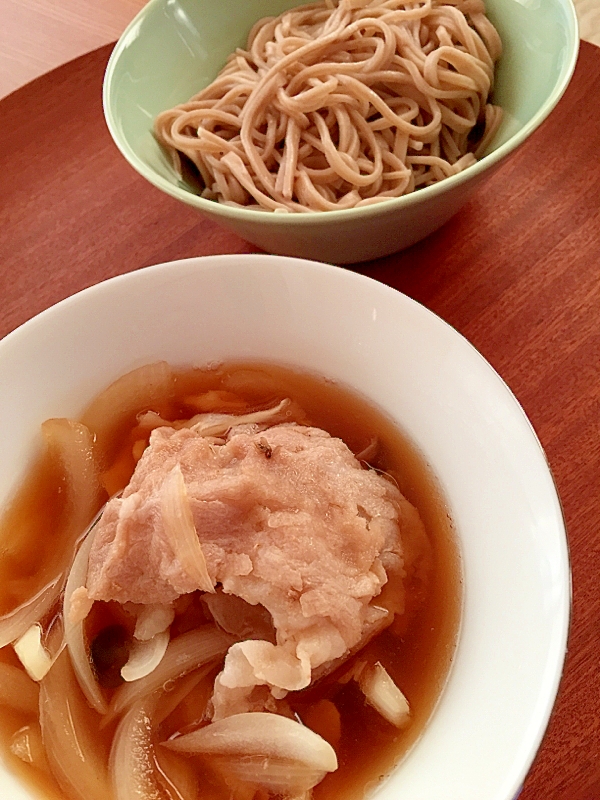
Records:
x=489, y=722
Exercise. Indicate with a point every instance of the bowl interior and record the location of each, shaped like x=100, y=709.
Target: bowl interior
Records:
x=176, y=47
x=422, y=373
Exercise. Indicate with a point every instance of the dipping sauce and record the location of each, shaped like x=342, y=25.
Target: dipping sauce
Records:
x=416, y=649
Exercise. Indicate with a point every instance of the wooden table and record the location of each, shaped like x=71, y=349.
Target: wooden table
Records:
x=39, y=35
x=517, y=272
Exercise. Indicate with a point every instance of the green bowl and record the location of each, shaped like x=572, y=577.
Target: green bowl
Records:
x=173, y=48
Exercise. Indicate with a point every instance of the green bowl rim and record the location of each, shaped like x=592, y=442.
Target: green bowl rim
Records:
x=320, y=217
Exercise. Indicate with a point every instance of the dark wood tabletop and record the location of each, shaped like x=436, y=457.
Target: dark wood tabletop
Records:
x=517, y=271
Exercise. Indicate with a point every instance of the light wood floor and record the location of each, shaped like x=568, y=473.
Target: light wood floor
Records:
x=38, y=35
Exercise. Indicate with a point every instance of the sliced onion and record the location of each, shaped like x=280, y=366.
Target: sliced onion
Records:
x=153, y=619
x=17, y=690
x=132, y=764
x=213, y=424
x=178, y=773
x=73, y=445
x=74, y=632
x=218, y=424
x=26, y=744
x=217, y=399
x=324, y=718
x=286, y=778
x=144, y=657
x=137, y=773
x=181, y=532
x=178, y=691
x=138, y=770
x=150, y=420
x=259, y=733
x=184, y=654
x=263, y=749
x=32, y=653
x=382, y=693
x=14, y=624
x=369, y=452
x=69, y=732
x=148, y=386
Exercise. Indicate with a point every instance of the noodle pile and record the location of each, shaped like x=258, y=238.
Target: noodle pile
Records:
x=343, y=103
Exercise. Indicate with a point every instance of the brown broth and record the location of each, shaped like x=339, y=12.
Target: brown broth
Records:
x=417, y=658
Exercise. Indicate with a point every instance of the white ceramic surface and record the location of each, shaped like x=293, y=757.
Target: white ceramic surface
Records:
x=493, y=712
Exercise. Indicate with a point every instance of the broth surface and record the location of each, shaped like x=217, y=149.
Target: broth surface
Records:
x=416, y=651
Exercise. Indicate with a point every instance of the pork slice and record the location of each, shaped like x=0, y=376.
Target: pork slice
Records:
x=286, y=518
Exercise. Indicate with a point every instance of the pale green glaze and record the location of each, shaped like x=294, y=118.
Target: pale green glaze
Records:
x=175, y=47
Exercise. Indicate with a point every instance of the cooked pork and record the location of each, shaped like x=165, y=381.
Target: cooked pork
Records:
x=284, y=518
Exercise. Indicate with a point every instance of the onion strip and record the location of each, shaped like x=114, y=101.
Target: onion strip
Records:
x=286, y=778
x=184, y=654
x=263, y=749
x=176, y=693
x=16, y=622
x=153, y=619
x=69, y=734
x=213, y=424
x=138, y=770
x=32, y=653
x=70, y=443
x=219, y=424
x=181, y=533
x=73, y=445
x=145, y=657
x=132, y=762
x=74, y=632
x=26, y=744
x=382, y=693
x=150, y=386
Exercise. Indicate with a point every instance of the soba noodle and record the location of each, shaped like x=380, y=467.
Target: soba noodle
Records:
x=341, y=104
